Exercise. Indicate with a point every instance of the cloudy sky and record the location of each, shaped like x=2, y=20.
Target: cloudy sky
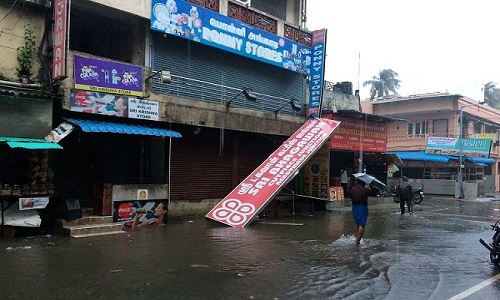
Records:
x=434, y=45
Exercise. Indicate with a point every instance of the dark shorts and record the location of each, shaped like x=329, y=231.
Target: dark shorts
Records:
x=360, y=214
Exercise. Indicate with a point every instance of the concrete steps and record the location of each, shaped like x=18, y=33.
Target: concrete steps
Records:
x=88, y=226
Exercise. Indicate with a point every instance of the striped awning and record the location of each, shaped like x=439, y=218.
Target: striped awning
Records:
x=110, y=127
x=28, y=143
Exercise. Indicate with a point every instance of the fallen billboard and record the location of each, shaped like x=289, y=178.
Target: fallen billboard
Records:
x=240, y=207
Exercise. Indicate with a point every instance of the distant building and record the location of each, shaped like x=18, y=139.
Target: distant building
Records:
x=438, y=115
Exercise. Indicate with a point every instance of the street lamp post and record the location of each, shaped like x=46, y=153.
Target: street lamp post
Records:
x=460, y=170
x=460, y=167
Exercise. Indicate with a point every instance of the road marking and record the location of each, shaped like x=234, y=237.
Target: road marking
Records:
x=475, y=288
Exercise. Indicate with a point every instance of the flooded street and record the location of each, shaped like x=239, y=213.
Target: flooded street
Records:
x=434, y=254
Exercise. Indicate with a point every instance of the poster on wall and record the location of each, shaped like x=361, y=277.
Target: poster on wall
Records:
x=195, y=23
x=316, y=173
x=113, y=105
x=125, y=211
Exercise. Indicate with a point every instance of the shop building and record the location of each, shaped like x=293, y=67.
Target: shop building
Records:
x=199, y=117
x=439, y=115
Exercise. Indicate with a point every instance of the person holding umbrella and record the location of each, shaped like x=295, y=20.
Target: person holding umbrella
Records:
x=359, y=198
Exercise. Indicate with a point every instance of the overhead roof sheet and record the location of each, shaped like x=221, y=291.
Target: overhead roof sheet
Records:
x=29, y=143
x=110, y=127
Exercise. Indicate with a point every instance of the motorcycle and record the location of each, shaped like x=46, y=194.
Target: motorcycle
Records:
x=494, y=246
x=418, y=194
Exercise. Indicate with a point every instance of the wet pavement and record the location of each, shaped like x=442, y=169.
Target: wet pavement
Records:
x=433, y=254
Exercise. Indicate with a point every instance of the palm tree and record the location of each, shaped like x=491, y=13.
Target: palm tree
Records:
x=386, y=82
x=490, y=94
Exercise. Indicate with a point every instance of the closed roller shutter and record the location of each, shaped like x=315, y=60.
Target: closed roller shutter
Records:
x=200, y=62
x=197, y=170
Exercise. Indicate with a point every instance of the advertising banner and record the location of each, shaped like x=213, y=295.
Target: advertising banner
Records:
x=114, y=105
x=125, y=211
x=248, y=199
x=186, y=20
x=109, y=77
x=451, y=146
x=317, y=72
x=33, y=203
x=60, y=132
x=356, y=133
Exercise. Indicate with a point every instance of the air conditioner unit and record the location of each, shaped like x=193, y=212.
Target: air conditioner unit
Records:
x=243, y=2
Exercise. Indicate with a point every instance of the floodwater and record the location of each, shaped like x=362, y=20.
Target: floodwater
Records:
x=434, y=254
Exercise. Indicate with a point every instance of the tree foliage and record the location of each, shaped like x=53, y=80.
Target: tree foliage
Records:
x=491, y=94
x=385, y=82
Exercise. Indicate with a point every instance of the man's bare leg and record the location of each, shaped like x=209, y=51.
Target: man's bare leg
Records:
x=360, y=230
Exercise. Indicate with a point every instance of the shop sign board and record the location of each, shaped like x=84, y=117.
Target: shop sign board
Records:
x=98, y=75
x=60, y=39
x=114, y=105
x=249, y=198
x=317, y=72
x=195, y=23
x=359, y=135
x=451, y=146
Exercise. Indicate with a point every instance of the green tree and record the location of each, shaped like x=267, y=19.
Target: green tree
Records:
x=385, y=82
x=491, y=94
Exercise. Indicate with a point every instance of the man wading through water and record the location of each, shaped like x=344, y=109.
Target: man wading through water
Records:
x=359, y=196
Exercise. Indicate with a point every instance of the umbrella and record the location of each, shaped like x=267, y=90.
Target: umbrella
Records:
x=370, y=180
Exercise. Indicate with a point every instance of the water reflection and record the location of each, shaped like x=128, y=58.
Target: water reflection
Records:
x=400, y=257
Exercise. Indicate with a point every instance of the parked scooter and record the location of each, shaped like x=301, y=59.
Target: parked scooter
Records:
x=494, y=246
x=418, y=194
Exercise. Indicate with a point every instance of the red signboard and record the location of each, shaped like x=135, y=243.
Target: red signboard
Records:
x=60, y=39
x=348, y=136
x=248, y=199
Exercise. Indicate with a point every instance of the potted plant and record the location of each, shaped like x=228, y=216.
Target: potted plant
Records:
x=25, y=54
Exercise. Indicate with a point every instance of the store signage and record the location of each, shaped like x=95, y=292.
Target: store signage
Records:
x=250, y=197
x=195, y=23
x=317, y=72
x=451, y=146
x=114, y=105
x=106, y=76
x=359, y=135
x=60, y=38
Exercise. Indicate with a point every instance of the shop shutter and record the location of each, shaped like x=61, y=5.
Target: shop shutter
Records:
x=197, y=170
x=200, y=62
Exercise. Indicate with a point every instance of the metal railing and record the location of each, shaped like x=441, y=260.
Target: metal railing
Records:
x=217, y=93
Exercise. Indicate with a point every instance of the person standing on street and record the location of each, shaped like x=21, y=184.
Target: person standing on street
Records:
x=359, y=196
x=344, y=178
x=405, y=191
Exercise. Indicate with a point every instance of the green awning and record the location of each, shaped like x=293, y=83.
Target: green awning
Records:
x=28, y=143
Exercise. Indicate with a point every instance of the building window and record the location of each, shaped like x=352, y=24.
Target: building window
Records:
x=417, y=128
x=440, y=127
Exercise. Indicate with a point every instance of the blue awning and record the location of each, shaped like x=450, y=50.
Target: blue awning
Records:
x=109, y=127
x=481, y=160
x=422, y=156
